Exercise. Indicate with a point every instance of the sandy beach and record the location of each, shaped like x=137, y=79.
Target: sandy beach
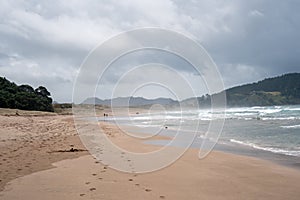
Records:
x=42, y=157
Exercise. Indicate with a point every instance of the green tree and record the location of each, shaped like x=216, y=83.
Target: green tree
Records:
x=24, y=96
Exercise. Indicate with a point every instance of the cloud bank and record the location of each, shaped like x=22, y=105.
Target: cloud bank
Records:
x=45, y=42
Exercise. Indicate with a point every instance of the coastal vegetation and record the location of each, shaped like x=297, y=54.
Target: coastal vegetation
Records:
x=281, y=90
x=24, y=97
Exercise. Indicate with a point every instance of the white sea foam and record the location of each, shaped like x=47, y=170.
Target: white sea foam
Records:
x=270, y=111
x=293, y=126
x=279, y=118
x=270, y=149
x=293, y=109
x=246, y=113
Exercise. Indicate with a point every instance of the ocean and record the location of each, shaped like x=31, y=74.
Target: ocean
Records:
x=271, y=132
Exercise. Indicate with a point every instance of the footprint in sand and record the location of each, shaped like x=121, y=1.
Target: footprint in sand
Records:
x=130, y=179
x=92, y=189
x=81, y=195
x=87, y=183
x=94, y=174
x=162, y=197
x=148, y=190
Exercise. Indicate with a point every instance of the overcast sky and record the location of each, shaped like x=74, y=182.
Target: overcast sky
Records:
x=45, y=42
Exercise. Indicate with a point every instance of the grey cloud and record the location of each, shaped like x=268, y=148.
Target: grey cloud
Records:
x=48, y=40
x=263, y=34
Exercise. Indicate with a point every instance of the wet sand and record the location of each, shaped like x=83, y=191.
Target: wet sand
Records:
x=30, y=144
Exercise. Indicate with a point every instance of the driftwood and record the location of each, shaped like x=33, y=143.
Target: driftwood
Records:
x=70, y=150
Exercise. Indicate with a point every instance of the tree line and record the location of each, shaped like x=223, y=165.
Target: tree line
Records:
x=24, y=97
x=281, y=90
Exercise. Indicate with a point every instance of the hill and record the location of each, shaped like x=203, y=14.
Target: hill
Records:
x=131, y=101
x=24, y=97
x=281, y=90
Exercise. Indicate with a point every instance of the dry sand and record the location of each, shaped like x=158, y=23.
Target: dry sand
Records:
x=30, y=144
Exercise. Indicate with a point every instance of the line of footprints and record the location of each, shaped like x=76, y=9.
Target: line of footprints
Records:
x=92, y=189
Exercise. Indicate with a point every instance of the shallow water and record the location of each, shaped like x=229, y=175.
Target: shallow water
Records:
x=275, y=129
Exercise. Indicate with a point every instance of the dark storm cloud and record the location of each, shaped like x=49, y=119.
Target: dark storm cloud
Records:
x=263, y=35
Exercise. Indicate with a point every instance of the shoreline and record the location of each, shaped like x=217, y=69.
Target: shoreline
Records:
x=230, y=148
x=78, y=175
